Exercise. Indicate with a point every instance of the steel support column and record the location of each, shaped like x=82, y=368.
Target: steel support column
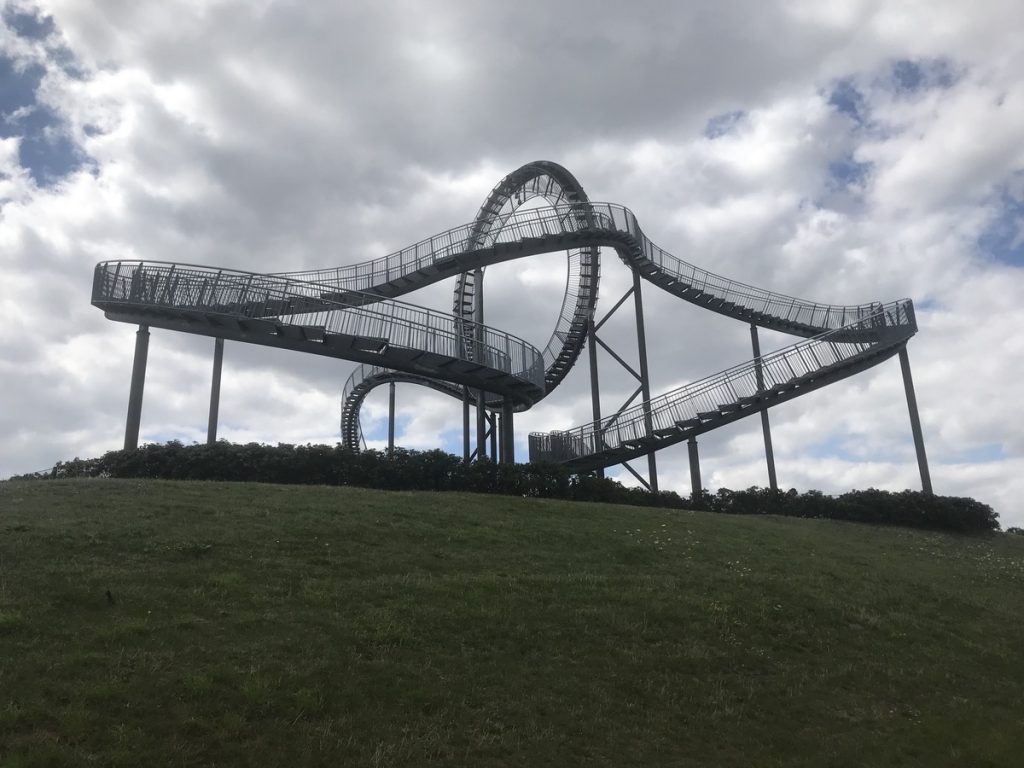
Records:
x=508, y=442
x=494, y=437
x=915, y=421
x=131, y=429
x=391, y=418
x=478, y=318
x=645, y=380
x=595, y=390
x=695, y=484
x=465, y=425
x=218, y=363
x=769, y=454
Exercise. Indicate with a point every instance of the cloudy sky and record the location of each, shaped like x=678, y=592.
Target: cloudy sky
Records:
x=844, y=152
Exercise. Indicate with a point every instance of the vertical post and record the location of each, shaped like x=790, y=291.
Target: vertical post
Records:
x=508, y=441
x=465, y=425
x=391, y=418
x=478, y=351
x=131, y=429
x=915, y=421
x=645, y=380
x=695, y=484
x=769, y=454
x=494, y=436
x=595, y=391
x=218, y=362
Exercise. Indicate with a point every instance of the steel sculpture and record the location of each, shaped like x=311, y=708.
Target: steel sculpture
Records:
x=352, y=313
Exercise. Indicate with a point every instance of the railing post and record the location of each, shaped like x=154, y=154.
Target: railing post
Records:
x=131, y=430
x=645, y=381
x=915, y=421
x=769, y=454
x=218, y=362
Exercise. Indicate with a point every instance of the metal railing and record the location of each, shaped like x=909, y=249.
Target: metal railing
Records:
x=289, y=301
x=704, y=399
x=605, y=222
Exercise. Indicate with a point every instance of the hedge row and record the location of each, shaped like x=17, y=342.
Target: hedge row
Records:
x=440, y=471
x=404, y=470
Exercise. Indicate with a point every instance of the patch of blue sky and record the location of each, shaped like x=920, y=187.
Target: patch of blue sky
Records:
x=906, y=76
x=1003, y=238
x=46, y=150
x=980, y=454
x=848, y=100
x=849, y=448
x=723, y=124
x=847, y=172
x=33, y=26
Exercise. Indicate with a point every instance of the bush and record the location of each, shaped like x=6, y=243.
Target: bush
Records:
x=439, y=471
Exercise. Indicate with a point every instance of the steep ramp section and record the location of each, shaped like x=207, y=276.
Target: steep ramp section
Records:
x=732, y=394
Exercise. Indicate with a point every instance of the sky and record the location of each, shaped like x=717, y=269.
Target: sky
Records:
x=843, y=152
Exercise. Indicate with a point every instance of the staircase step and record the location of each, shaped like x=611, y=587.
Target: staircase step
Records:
x=666, y=431
x=688, y=424
x=707, y=415
x=369, y=344
x=313, y=332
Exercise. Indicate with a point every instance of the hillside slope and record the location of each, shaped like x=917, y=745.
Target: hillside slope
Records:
x=214, y=623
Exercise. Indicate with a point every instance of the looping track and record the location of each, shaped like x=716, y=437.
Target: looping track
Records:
x=350, y=313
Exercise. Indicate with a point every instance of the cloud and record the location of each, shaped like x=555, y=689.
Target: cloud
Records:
x=274, y=136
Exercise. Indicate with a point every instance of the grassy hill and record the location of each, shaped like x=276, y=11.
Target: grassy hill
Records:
x=160, y=623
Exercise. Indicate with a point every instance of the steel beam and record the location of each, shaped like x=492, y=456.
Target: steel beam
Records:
x=769, y=453
x=645, y=379
x=131, y=429
x=915, y=421
x=218, y=362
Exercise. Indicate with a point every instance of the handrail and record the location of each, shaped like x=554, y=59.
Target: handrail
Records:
x=596, y=218
x=260, y=296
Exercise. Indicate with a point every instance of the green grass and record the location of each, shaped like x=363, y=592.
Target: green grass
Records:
x=285, y=625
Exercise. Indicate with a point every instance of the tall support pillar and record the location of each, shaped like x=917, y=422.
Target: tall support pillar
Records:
x=769, y=454
x=695, y=485
x=465, y=425
x=645, y=379
x=915, y=422
x=218, y=363
x=478, y=319
x=508, y=441
x=391, y=418
x=494, y=437
x=595, y=390
x=131, y=429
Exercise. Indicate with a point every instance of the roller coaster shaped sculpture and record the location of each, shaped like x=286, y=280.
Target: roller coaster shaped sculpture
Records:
x=351, y=313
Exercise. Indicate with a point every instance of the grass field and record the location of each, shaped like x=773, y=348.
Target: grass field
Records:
x=284, y=625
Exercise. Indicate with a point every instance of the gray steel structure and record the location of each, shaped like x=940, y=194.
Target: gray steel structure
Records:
x=351, y=313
